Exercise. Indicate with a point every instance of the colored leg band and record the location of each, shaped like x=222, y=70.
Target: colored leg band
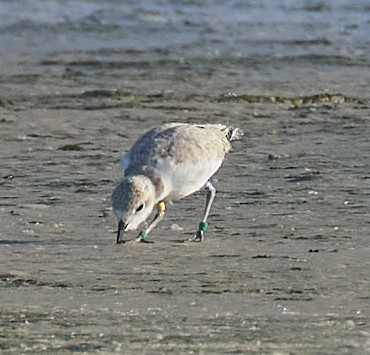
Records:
x=143, y=234
x=161, y=207
x=203, y=226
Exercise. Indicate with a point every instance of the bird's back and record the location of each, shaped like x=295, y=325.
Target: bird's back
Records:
x=179, y=144
x=185, y=156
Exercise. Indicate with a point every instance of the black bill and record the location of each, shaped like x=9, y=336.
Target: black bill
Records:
x=121, y=228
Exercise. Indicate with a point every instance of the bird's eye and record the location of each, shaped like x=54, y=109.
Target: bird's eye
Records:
x=140, y=208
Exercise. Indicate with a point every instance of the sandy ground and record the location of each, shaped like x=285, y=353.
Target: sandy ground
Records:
x=285, y=265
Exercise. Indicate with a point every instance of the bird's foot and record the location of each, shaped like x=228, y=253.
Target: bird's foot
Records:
x=138, y=239
x=198, y=237
x=141, y=238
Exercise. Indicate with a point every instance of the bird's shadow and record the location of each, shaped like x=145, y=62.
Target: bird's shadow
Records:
x=21, y=242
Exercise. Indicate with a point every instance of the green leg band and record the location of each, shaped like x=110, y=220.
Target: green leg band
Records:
x=203, y=226
x=143, y=234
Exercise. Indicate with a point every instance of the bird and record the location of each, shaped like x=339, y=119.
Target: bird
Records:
x=167, y=163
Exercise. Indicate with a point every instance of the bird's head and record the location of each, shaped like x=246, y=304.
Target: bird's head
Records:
x=132, y=201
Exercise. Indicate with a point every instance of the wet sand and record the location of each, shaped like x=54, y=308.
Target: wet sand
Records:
x=285, y=265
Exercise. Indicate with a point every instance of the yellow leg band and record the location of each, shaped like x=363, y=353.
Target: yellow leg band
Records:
x=161, y=207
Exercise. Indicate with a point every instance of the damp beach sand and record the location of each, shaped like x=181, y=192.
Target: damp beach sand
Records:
x=284, y=268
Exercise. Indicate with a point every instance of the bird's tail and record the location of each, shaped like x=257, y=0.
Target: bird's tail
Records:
x=233, y=133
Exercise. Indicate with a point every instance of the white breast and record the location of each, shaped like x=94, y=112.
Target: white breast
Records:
x=183, y=179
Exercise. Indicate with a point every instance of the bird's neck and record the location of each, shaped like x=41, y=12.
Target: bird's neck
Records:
x=155, y=181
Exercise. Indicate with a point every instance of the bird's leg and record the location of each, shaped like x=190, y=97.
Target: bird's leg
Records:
x=161, y=207
x=203, y=225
